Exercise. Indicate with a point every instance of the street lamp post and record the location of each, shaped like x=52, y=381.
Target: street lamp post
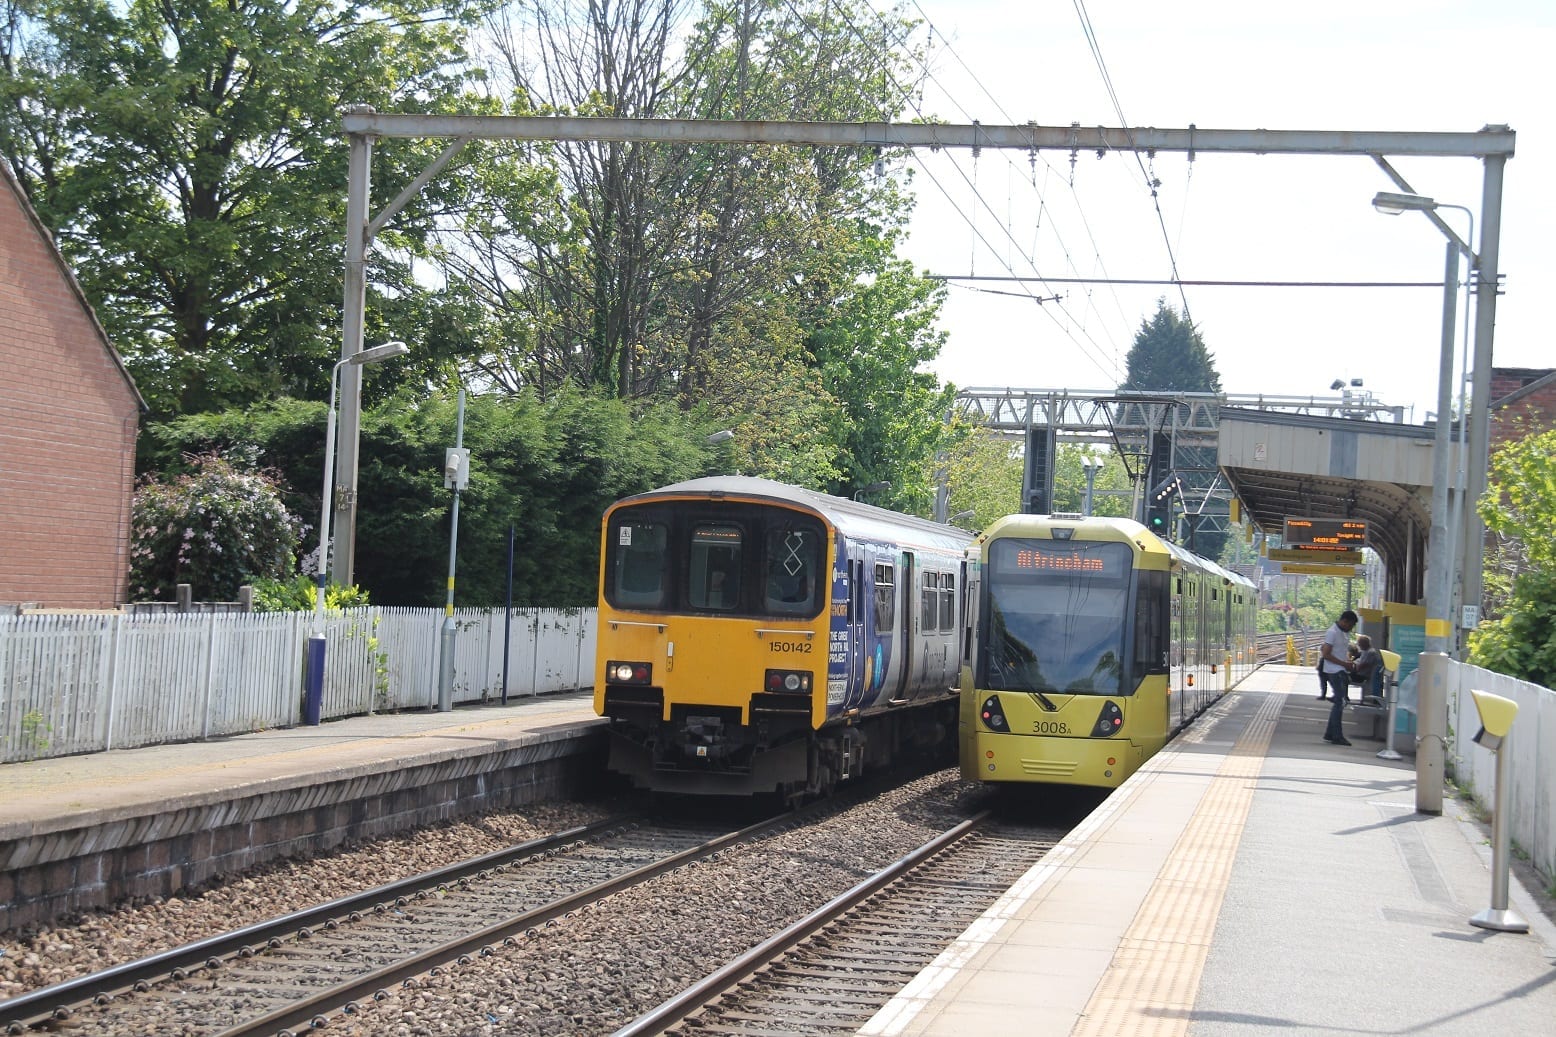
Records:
x=1432, y=689
x=314, y=684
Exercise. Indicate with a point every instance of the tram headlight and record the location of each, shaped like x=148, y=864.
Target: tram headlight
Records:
x=993, y=715
x=628, y=672
x=792, y=681
x=1109, y=722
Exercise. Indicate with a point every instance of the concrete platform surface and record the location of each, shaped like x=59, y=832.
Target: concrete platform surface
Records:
x=1252, y=879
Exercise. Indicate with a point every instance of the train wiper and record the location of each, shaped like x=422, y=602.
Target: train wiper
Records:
x=1046, y=702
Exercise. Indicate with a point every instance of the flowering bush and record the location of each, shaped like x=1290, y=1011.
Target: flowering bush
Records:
x=214, y=528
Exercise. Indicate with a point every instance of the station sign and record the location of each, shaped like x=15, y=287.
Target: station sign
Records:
x=1323, y=556
x=1314, y=569
x=1334, y=534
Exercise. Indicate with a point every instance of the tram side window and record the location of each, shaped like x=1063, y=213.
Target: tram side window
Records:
x=1153, y=623
x=793, y=559
x=641, y=564
x=885, y=596
x=714, y=573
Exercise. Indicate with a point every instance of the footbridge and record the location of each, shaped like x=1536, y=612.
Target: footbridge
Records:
x=1337, y=457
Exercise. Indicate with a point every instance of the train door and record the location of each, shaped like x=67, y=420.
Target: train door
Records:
x=857, y=597
x=905, y=652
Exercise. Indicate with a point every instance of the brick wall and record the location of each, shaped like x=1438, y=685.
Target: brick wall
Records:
x=68, y=421
x=1524, y=401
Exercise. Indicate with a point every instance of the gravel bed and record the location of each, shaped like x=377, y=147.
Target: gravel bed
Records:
x=603, y=968
x=39, y=956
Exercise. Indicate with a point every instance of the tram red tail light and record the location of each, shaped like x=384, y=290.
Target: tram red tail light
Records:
x=792, y=681
x=993, y=715
x=628, y=672
x=1110, y=721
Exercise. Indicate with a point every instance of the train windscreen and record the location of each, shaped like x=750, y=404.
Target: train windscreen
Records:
x=1056, y=617
x=716, y=557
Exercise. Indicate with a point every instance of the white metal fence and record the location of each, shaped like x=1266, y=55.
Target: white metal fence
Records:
x=82, y=683
x=1532, y=817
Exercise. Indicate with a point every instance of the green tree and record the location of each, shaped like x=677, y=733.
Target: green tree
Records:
x=1169, y=355
x=186, y=155
x=215, y=528
x=983, y=474
x=1519, y=510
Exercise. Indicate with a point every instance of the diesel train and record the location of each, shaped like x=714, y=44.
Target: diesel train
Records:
x=757, y=638
x=1092, y=642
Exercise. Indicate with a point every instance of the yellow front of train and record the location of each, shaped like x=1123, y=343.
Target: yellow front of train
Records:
x=1069, y=678
x=712, y=641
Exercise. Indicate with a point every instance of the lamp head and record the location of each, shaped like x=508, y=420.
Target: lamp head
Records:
x=721, y=436
x=1392, y=203
x=382, y=352
x=1337, y=384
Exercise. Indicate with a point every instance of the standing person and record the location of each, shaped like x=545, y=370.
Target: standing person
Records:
x=1336, y=665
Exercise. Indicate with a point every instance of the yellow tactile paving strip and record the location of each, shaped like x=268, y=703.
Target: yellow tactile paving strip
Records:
x=1148, y=990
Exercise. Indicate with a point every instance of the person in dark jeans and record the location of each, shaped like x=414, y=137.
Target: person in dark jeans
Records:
x=1336, y=665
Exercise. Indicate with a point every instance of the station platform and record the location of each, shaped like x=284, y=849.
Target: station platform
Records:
x=83, y=831
x=1250, y=879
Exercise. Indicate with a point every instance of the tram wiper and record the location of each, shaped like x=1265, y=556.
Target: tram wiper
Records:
x=1045, y=701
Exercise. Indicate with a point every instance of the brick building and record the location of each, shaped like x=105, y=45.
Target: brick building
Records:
x=1523, y=400
x=69, y=415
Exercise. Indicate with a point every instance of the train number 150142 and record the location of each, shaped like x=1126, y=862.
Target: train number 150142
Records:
x=790, y=647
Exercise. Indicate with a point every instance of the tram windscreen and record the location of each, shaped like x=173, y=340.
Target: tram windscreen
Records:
x=1056, y=616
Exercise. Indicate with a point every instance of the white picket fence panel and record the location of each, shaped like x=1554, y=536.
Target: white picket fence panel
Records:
x=83, y=683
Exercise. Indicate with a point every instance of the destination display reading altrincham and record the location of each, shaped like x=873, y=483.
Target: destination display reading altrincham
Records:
x=1335, y=534
x=1038, y=556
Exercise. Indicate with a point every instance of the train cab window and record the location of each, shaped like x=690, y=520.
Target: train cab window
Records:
x=793, y=560
x=638, y=570
x=947, y=601
x=885, y=596
x=930, y=595
x=714, y=572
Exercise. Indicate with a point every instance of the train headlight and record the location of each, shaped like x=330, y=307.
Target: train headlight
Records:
x=1109, y=722
x=993, y=714
x=793, y=681
x=628, y=673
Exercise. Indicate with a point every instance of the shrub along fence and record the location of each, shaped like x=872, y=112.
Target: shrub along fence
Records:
x=74, y=683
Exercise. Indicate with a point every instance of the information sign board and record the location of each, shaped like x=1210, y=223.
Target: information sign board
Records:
x=1339, y=534
x=1326, y=556
x=1311, y=569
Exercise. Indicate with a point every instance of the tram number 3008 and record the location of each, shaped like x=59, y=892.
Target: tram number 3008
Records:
x=1050, y=727
x=790, y=647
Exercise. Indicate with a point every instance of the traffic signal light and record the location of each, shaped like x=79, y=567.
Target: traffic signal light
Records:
x=1156, y=520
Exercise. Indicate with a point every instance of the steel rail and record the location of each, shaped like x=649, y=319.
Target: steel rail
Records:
x=705, y=990
x=41, y=1006
x=313, y=1011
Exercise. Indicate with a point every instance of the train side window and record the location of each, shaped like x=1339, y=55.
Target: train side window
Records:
x=947, y=601
x=715, y=566
x=885, y=596
x=930, y=595
x=793, y=560
x=640, y=565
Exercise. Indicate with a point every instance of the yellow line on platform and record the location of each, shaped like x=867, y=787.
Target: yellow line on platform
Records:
x=1149, y=988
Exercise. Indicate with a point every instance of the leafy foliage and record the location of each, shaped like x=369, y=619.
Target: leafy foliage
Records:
x=1519, y=636
x=214, y=528
x=186, y=154
x=1169, y=355
x=300, y=594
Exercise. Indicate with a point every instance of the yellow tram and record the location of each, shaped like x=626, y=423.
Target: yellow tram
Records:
x=1092, y=642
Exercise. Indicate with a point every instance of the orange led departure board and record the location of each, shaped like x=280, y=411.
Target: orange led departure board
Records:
x=1335, y=534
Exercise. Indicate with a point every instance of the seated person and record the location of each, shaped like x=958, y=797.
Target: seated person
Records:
x=1367, y=670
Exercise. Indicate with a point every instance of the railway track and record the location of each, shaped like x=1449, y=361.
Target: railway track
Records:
x=830, y=972
x=294, y=970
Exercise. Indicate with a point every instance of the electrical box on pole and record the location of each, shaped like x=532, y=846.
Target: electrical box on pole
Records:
x=456, y=468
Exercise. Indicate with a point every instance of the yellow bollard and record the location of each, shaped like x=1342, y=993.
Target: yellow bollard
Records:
x=1228, y=671
x=1291, y=650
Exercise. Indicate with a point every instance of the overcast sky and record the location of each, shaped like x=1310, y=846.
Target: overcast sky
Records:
x=1451, y=65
